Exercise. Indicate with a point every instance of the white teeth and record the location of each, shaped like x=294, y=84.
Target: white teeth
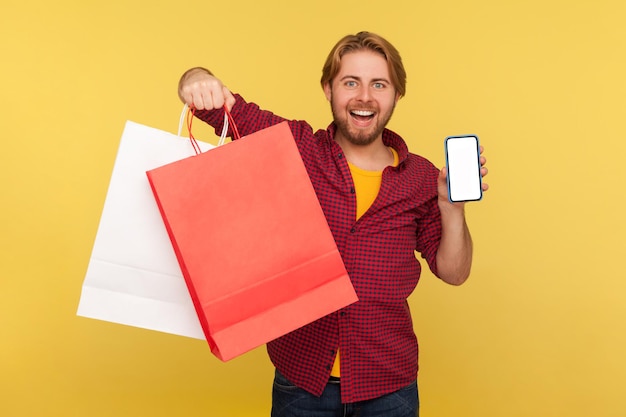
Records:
x=362, y=112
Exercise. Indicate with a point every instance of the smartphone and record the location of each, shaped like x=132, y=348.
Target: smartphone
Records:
x=463, y=162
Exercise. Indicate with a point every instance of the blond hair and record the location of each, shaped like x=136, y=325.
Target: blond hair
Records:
x=366, y=41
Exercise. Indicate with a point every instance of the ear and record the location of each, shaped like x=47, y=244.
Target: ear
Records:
x=398, y=96
x=328, y=92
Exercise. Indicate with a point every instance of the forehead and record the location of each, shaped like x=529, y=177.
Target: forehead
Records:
x=363, y=64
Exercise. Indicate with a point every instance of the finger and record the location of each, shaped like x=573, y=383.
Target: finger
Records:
x=187, y=97
x=201, y=101
x=216, y=99
x=229, y=98
x=193, y=97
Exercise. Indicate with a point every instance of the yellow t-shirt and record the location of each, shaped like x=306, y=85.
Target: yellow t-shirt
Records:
x=366, y=186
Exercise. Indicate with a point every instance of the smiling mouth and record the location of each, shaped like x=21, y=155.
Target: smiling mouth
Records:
x=362, y=115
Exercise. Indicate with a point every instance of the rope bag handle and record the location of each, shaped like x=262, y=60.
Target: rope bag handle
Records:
x=187, y=115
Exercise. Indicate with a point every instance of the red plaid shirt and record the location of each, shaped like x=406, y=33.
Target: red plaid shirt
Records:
x=375, y=335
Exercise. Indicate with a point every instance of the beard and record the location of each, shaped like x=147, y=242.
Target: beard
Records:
x=361, y=137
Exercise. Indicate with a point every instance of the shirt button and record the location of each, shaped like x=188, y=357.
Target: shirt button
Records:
x=352, y=190
x=353, y=230
x=340, y=155
x=342, y=314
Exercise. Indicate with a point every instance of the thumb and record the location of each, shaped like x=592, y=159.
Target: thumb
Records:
x=229, y=98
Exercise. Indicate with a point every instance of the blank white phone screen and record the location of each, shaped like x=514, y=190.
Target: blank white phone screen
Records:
x=462, y=158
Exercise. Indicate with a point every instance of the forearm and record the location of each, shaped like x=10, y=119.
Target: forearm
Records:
x=454, y=256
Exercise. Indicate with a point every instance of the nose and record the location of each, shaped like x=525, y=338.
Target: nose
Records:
x=364, y=93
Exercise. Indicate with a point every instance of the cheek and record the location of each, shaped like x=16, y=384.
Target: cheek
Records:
x=389, y=103
x=339, y=102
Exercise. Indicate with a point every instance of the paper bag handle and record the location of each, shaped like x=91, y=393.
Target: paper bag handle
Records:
x=188, y=113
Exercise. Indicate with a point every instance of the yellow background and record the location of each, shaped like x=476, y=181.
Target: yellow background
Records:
x=537, y=331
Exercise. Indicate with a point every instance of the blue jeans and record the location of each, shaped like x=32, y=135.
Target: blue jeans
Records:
x=291, y=401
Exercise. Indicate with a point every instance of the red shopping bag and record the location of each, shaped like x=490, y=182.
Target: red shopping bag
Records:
x=252, y=241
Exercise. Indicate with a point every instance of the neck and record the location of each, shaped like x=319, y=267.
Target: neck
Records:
x=375, y=156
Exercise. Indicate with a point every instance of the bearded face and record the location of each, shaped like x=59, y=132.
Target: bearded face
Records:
x=362, y=97
x=360, y=124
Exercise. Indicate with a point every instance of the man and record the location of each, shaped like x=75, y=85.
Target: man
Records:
x=382, y=204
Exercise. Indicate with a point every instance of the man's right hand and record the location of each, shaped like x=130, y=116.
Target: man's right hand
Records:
x=199, y=89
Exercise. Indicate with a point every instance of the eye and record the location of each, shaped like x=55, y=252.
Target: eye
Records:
x=350, y=84
x=378, y=86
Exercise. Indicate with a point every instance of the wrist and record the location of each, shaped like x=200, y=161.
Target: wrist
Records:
x=449, y=209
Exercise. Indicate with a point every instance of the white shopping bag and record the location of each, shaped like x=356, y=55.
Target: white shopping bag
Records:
x=133, y=276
